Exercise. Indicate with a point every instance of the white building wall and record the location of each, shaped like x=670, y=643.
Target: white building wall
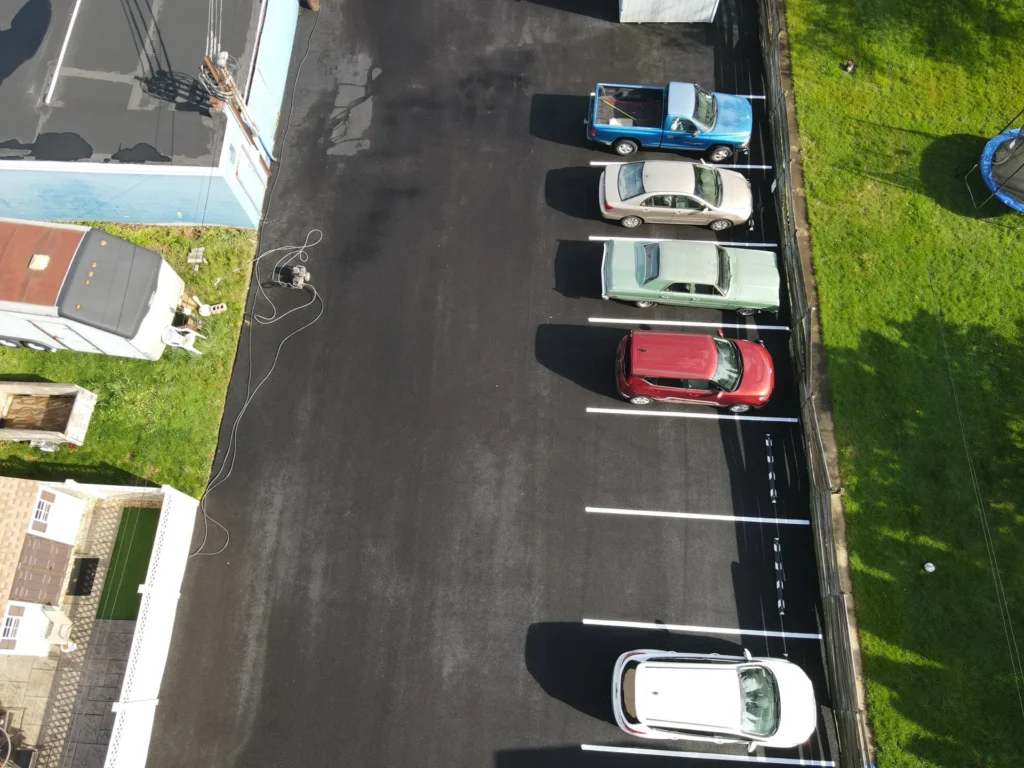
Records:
x=30, y=639
x=62, y=518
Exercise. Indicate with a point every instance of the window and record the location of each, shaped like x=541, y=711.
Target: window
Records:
x=760, y=702
x=658, y=201
x=11, y=624
x=724, y=271
x=704, y=290
x=679, y=288
x=707, y=184
x=662, y=381
x=42, y=513
x=631, y=180
x=687, y=203
x=705, y=108
x=729, y=371
x=41, y=516
x=683, y=125
x=647, y=262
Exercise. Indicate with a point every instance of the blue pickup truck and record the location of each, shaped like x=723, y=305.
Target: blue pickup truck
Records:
x=680, y=116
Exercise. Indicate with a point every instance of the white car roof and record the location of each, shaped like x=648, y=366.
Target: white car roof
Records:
x=702, y=695
x=668, y=176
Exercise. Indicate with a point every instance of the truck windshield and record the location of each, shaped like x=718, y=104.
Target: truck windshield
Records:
x=760, y=702
x=724, y=271
x=708, y=184
x=631, y=180
x=705, y=110
x=729, y=371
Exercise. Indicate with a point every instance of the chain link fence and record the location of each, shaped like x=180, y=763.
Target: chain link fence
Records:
x=850, y=723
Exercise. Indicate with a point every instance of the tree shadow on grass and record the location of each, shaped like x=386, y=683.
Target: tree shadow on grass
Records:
x=966, y=33
x=58, y=472
x=938, y=671
x=924, y=163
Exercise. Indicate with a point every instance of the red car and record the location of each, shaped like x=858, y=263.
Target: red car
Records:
x=694, y=368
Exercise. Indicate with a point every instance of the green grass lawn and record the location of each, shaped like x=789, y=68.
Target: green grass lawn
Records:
x=154, y=421
x=897, y=248
x=128, y=564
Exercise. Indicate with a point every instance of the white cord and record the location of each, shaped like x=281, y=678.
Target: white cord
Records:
x=292, y=253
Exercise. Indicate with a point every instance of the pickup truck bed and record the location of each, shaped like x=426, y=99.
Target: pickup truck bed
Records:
x=630, y=106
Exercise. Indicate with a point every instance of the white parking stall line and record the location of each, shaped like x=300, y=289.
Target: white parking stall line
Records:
x=602, y=238
x=685, y=323
x=765, y=760
x=697, y=516
x=748, y=96
x=606, y=162
x=690, y=415
x=741, y=167
x=63, y=50
x=701, y=630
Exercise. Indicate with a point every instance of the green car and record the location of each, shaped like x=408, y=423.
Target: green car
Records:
x=688, y=274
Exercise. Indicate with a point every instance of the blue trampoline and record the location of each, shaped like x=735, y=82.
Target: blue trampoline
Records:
x=1002, y=167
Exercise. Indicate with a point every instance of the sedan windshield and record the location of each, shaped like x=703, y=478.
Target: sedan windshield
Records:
x=705, y=110
x=708, y=184
x=730, y=367
x=760, y=702
x=631, y=180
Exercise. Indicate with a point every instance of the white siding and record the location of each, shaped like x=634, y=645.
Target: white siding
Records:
x=30, y=637
x=682, y=11
x=57, y=520
x=129, y=742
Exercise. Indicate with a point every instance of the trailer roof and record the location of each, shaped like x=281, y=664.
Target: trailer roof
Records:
x=19, y=242
x=110, y=284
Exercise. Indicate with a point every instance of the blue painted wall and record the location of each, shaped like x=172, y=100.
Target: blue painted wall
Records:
x=150, y=198
x=271, y=73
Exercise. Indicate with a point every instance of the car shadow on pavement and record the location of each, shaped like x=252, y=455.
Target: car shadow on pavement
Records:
x=559, y=118
x=573, y=661
x=583, y=354
x=575, y=757
x=578, y=269
x=574, y=191
x=604, y=10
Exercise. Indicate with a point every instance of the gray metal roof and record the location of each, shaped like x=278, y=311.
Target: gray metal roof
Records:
x=127, y=91
x=110, y=284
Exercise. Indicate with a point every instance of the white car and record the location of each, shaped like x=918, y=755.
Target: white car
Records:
x=674, y=192
x=722, y=699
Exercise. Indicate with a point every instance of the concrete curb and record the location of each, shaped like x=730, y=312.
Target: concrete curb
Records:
x=817, y=369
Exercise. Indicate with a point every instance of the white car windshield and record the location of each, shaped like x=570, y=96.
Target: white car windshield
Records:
x=708, y=184
x=760, y=702
x=631, y=180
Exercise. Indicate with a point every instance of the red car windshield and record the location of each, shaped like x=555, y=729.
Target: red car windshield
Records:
x=729, y=370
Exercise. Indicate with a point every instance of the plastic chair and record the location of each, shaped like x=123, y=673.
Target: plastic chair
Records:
x=181, y=338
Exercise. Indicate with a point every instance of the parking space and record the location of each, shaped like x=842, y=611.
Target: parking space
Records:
x=446, y=524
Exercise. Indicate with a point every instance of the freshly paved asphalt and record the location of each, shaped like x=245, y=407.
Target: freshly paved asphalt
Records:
x=410, y=557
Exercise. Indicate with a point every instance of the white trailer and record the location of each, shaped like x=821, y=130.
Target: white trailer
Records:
x=79, y=288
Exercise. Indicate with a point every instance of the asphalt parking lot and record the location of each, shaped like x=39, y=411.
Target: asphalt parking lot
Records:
x=431, y=555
